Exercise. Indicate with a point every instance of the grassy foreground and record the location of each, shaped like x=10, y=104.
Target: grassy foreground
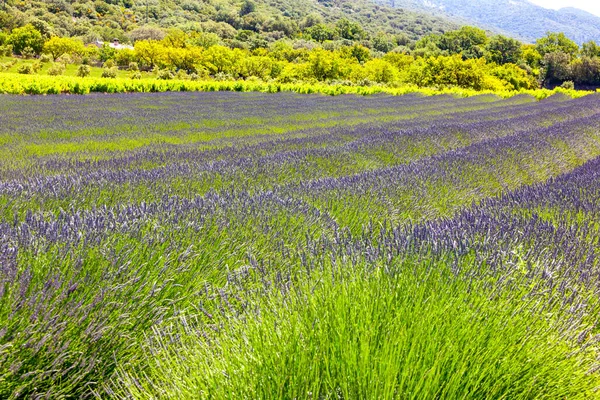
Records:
x=11, y=83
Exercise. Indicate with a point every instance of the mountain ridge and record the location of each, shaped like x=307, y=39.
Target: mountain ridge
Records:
x=519, y=18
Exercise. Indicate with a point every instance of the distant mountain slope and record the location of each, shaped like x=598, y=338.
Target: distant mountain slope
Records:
x=519, y=18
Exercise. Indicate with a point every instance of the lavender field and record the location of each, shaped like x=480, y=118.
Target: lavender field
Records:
x=286, y=246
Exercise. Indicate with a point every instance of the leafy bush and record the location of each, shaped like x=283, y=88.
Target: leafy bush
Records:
x=28, y=53
x=182, y=75
x=6, y=50
x=65, y=59
x=109, y=63
x=568, y=85
x=25, y=69
x=56, y=69
x=22, y=84
x=83, y=70
x=110, y=72
x=165, y=74
x=46, y=58
x=133, y=66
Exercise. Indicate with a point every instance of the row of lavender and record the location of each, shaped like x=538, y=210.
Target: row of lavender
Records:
x=154, y=171
x=99, y=248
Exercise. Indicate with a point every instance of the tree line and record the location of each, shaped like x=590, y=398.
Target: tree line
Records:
x=338, y=54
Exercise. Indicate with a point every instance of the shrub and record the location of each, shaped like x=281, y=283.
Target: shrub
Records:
x=56, y=69
x=28, y=53
x=136, y=75
x=568, y=85
x=110, y=72
x=109, y=63
x=36, y=65
x=222, y=77
x=45, y=58
x=124, y=57
x=65, y=59
x=83, y=70
x=182, y=75
x=133, y=66
x=25, y=69
x=6, y=50
x=165, y=74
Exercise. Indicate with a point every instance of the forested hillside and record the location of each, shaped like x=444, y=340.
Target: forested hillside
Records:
x=266, y=20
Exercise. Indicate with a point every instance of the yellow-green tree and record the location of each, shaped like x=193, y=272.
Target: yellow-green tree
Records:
x=221, y=59
x=57, y=46
x=151, y=53
x=26, y=37
x=380, y=71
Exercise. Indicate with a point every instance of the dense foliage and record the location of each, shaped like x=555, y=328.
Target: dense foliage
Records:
x=236, y=21
x=250, y=245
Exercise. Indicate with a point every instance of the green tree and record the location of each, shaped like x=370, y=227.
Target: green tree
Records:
x=398, y=60
x=324, y=65
x=248, y=6
x=358, y=52
x=221, y=59
x=57, y=46
x=531, y=56
x=186, y=59
x=557, y=67
x=383, y=43
x=205, y=39
x=256, y=66
x=175, y=38
x=468, y=41
x=151, y=52
x=586, y=70
x=319, y=33
x=26, y=36
x=448, y=71
x=556, y=42
x=503, y=50
x=514, y=76
x=349, y=30
x=427, y=46
x=380, y=71
x=590, y=49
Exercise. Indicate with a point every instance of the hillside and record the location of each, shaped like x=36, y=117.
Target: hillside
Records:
x=105, y=19
x=519, y=18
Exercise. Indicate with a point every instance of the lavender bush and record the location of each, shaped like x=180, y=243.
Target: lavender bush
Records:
x=248, y=245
